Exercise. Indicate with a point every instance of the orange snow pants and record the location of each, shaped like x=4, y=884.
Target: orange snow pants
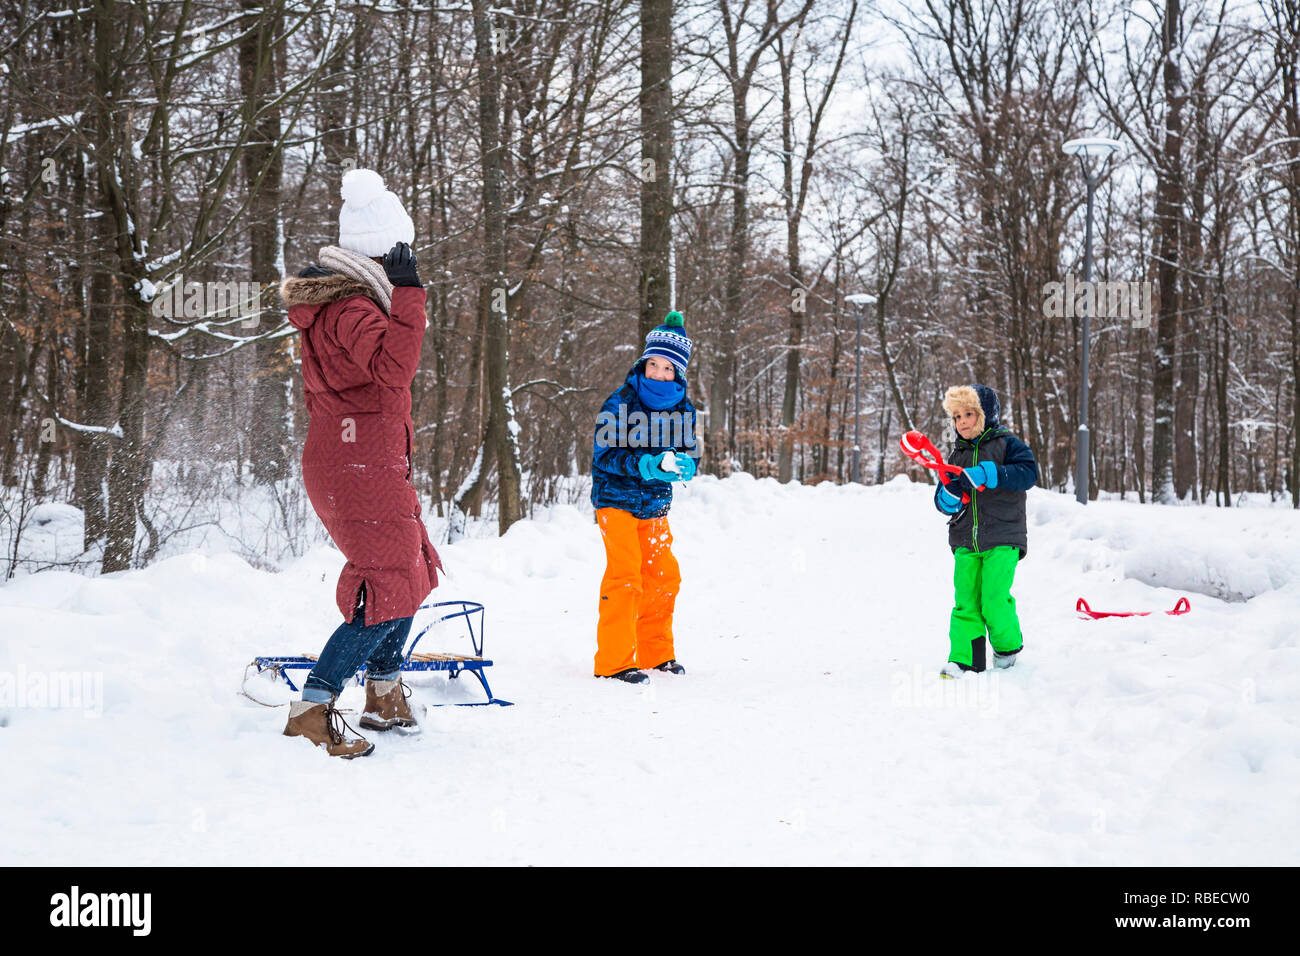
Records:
x=637, y=593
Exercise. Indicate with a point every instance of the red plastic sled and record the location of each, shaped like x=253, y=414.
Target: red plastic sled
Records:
x=1182, y=607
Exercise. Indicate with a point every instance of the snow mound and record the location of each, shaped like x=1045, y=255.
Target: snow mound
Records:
x=1232, y=554
x=54, y=517
x=1227, y=571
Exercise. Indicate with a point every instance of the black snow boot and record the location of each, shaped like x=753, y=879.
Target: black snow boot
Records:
x=670, y=667
x=631, y=676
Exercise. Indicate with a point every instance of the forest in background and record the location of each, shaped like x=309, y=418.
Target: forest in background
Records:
x=575, y=168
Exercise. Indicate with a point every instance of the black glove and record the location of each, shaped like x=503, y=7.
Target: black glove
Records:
x=399, y=264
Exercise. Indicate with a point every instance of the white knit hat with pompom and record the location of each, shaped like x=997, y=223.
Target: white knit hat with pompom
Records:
x=372, y=219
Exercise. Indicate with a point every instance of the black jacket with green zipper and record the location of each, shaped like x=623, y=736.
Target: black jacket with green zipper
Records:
x=995, y=516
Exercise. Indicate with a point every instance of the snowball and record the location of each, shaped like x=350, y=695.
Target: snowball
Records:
x=670, y=464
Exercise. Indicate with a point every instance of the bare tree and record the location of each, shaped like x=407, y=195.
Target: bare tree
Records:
x=656, y=162
x=795, y=200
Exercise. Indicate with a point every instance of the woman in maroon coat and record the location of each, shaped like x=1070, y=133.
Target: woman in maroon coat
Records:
x=361, y=314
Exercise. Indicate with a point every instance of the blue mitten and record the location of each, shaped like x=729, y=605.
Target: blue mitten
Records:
x=949, y=503
x=651, y=470
x=985, y=473
x=685, y=466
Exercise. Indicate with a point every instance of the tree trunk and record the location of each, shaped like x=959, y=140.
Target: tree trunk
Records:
x=655, y=298
x=1169, y=211
x=440, y=327
x=93, y=398
x=1225, y=431
x=722, y=414
x=1287, y=21
x=259, y=75
x=127, y=470
x=502, y=429
x=46, y=448
x=17, y=377
x=797, y=294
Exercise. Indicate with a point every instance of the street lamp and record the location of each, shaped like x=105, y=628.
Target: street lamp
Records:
x=1093, y=152
x=860, y=301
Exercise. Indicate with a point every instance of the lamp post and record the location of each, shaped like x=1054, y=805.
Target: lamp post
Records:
x=1093, y=153
x=859, y=301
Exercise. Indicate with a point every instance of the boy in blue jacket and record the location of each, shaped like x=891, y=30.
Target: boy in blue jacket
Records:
x=987, y=534
x=645, y=441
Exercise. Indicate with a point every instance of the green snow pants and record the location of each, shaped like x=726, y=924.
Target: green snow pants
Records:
x=982, y=581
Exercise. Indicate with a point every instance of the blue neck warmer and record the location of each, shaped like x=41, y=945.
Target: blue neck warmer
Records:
x=658, y=395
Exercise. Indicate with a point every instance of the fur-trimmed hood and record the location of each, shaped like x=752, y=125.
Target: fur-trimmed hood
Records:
x=316, y=288
x=981, y=398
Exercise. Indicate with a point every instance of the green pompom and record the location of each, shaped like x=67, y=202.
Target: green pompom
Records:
x=674, y=320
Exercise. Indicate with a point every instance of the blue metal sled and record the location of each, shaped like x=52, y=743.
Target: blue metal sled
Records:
x=453, y=664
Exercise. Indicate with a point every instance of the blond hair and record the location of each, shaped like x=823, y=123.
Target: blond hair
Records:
x=960, y=398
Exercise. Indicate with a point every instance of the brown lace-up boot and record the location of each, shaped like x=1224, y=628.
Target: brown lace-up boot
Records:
x=386, y=706
x=319, y=723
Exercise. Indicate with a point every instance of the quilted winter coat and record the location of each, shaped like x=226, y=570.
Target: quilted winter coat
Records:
x=357, y=368
x=995, y=516
x=616, y=480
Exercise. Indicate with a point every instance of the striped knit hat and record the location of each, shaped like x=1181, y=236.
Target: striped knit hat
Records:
x=669, y=341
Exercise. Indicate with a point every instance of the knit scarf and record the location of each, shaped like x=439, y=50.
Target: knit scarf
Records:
x=659, y=395
x=363, y=269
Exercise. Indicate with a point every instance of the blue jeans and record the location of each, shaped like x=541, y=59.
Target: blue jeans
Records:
x=379, y=646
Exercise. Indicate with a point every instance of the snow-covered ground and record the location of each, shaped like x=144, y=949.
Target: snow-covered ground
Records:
x=810, y=727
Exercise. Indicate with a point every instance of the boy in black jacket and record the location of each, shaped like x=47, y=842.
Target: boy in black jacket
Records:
x=987, y=534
